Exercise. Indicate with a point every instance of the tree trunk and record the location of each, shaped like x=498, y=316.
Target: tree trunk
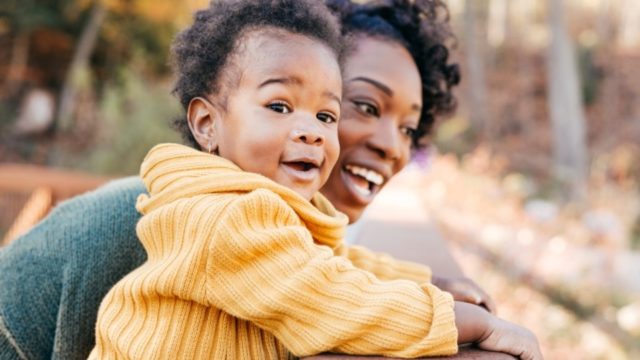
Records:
x=565, y=105
x=603, y=22
x=498, y=22
x=17, y=66
x=79, y=68
x=476, y=71
x=629, y=24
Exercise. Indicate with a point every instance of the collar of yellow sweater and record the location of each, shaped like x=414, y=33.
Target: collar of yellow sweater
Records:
x=172, y=171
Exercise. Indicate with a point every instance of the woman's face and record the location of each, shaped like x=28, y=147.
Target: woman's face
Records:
x=381, y=106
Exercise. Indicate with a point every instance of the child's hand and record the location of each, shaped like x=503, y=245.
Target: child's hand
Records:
x=464, y=289
x=510, y=338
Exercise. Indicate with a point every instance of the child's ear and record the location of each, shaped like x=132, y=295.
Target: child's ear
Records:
x=202, y=117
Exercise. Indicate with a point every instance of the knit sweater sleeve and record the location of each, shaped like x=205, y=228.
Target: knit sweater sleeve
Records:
x=384, y=266
x=264, y=267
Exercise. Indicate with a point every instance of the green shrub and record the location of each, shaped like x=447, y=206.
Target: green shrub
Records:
x=134, y=115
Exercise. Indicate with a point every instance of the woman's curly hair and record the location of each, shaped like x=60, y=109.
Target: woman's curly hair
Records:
x=203, y=52
x=422, y=27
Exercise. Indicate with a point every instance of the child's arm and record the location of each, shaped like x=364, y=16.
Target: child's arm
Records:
x=264, y=267
x=386, y=267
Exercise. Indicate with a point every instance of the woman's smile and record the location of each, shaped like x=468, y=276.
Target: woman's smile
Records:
x=364, y=182
x=381, y=108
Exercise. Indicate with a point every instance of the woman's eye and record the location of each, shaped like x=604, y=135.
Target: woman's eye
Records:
x=279, y=107
x=409, y=131
x=326, y=117
x=367, y=108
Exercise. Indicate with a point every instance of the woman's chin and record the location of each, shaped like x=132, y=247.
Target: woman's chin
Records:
x=354, y=215
x=353, y=196
x=357, y=197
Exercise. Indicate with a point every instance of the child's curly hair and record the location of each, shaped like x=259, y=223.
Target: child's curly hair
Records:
x=203, y=52
x=422, y=27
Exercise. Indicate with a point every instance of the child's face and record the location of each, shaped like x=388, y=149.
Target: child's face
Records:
x=281, y=119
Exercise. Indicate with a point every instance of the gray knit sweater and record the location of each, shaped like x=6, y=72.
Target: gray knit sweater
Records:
x=53, y=278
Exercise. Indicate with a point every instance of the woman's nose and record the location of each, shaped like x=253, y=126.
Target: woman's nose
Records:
x=386, y=140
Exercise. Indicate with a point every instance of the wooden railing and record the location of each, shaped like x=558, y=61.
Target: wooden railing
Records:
x=465, y=353
x=42, y=187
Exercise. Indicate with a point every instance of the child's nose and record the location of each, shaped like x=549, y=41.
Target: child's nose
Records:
x=308, y=134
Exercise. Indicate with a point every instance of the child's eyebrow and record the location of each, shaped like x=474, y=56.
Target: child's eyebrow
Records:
x=283, y=80
x=333, y=96
x=296, y=81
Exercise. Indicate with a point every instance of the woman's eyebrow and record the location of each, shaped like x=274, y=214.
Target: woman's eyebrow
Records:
x=384, y=88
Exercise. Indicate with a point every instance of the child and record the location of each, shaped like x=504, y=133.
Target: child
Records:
x=241, y=247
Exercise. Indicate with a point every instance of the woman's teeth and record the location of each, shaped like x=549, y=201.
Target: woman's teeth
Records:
x=364, y=180
x=367, y=174
x=364, y=191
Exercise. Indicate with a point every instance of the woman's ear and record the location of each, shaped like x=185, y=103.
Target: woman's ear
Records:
x=202, y=117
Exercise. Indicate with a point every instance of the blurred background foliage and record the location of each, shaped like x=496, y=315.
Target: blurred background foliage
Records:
x=108, y=60
x=534, y=178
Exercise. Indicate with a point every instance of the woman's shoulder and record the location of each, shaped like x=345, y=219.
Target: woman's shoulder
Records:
x=69, y=261
x=105, y=213
x=112, y=203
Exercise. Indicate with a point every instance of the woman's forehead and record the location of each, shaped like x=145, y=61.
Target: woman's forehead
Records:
x=386, y=65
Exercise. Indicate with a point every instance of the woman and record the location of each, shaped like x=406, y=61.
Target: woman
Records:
x=388, y=111
x=55, y=276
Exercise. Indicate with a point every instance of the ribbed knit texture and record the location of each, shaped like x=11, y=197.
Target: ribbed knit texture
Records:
x=53, y=278
x=240, y=267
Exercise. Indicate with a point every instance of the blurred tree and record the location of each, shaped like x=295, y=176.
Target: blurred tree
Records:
x=629, y=24
x=475, y=62
x=79, y=67
x=498, y=22
x=64, y=46
x=603, y=21
x=22, y=18
x=565, y=106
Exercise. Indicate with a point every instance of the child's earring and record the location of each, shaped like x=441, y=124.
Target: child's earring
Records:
x=209, y=147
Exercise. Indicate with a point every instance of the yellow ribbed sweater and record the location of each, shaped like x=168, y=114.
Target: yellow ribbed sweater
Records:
x=240, y=267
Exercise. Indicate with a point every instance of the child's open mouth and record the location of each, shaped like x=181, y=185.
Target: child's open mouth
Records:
x=301, y=165
x=304, y=170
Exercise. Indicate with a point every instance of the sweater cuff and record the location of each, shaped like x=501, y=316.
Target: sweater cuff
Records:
x=443, y=324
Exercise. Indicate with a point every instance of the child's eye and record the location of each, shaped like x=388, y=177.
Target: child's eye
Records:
x=280, y=107
x=326, y=117
x=367, y=108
